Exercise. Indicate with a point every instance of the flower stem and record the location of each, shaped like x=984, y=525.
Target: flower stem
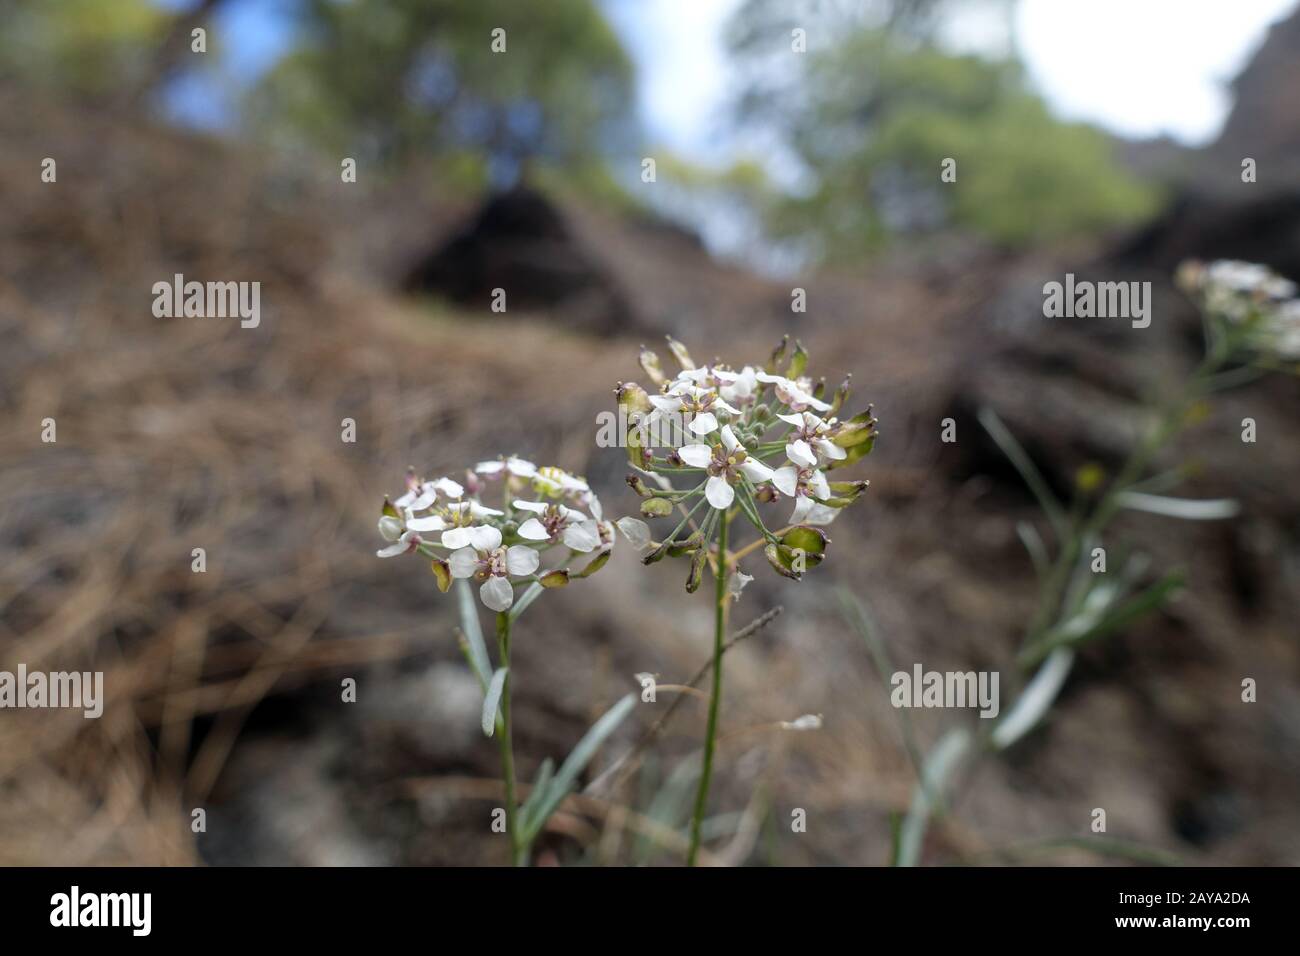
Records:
x=719, y=636
x=518, y=852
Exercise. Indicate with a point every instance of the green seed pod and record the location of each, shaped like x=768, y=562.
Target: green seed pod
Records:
x=656, y=508
x=696, y=575
x=555, y=579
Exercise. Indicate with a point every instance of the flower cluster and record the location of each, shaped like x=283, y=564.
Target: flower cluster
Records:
x=541, y=510
x=1249, y=296
x=750, y=437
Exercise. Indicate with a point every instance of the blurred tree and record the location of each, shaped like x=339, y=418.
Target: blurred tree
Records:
x=87, y=48
x=394, y=80
x=877, y=104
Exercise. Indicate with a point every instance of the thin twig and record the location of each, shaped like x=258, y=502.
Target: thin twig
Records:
x=626, y=765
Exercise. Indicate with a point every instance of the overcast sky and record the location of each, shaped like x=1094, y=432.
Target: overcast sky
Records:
x=1138, y=67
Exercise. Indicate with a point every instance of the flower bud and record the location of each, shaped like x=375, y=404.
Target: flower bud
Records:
x=841, y=395
x=798, y=361
x=442, y=572
x=632, y=398
x=636, y=484
x=778, y=354
x=687, y=545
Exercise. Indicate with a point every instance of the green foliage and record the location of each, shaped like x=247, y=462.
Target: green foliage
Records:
x=86, y=47
x=871, y=116
x=400, y=78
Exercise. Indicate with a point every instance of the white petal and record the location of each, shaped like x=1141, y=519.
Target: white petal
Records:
x=445, y=486
x=521, y=467
x=768, y=377
x=755, y=470
x=820, y=487
x=799, y=453
x=737, y=583
x=802, y=505
x=594, y=504
x=489, y=467
x=463, y=563
x=484, y=537
x=697, y=456
x=722, y=405
x=786, y=480
x=719, y=493
x=478, y=511
x=390, y=529
x=665, y=404
x=432, y=523
x=537, y=507
x=794, y=418
x=534, y=530
x=497, y=594
x=817, y=403
x=729, y=440
x=636, y=531
x=828, y=449
x=582, y=537
x=521, y=559
x=392, y=550
x=456, y=538
x=820, y=514
x=704, y=423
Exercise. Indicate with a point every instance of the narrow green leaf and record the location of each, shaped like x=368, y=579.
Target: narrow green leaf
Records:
x=492, y=699
x=578, y=760
x=534, y=589
x=1023, y=464
x=476, y=650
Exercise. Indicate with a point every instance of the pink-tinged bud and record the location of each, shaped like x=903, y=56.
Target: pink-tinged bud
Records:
x=778, y=354
x=798, y=361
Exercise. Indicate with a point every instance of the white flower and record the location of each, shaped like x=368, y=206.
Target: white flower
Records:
x=422, y=494
x=481, y=537
x=556, y=523
x=725, y=463
x=737, y=583
x=554, y=482
x=805, y=484
x=696, y=405
x=809, y=437
x=517, y=467
x=1250, y=278
x=493, y=565
x=455, y=515
x=806, y=722
x=797, y=394
x=406, y=541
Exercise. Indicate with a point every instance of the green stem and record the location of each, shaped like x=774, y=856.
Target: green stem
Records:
x=711, y=733
x=518, y=852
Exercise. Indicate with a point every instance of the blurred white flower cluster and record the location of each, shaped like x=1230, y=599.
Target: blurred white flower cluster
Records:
x=752, y=436
x=1251, y=296
x=542, y=510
